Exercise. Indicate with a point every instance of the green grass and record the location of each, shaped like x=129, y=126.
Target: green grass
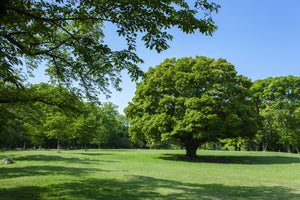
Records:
x=149, y=174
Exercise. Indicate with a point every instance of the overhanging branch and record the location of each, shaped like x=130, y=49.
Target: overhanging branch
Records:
x=61, y=18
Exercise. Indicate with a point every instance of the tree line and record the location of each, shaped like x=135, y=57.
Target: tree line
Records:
x=52, y=117
x=184, y=103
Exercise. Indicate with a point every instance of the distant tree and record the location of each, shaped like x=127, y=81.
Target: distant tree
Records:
x=296, y=126
x=277, y=100
x=193, y=101
x=111, y=122
x=33, y=122
x=67, y=36
x=58, y=127
x=122, y=132
x=236, y=142
x=88, y=126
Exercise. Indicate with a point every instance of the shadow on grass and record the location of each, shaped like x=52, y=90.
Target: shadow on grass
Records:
x=12, y=172
x=234, y=159
x=142, y=187
x=20, y=193
x=93, y=154
x=58, y=158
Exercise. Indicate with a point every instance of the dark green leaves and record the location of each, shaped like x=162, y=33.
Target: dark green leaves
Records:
x=68, y=37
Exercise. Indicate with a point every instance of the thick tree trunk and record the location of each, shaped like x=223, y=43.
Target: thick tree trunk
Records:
x=191, y=145
x=191, y=151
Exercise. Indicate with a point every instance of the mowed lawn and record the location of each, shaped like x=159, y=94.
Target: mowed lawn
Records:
x=149, y=174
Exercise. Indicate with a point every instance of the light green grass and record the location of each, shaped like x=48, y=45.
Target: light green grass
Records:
x=149, y=174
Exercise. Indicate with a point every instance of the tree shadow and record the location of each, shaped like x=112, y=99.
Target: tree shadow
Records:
x=232, y=159
x=14, y=172
x=143, y=187
x=93, y=154
x=58, y=158
x=22, y=193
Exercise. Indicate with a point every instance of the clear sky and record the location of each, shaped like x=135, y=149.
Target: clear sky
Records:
x=261, y=38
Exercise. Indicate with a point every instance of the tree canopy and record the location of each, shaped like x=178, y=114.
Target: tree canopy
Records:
x=278, y=101
x=67, y=36
x=192, y=100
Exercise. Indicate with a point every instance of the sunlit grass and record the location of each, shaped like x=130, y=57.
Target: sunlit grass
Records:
x=149, y=174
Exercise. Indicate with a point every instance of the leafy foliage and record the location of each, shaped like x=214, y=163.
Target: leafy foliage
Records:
x=68, y=37
x=278, y=101
x=48, y=118
x=194, y=101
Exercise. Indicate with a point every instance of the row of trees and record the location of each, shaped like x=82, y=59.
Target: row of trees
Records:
x=205, y=104
x=58, y=119
x=194, y=101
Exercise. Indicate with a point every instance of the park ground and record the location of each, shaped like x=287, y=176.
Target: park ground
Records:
x=149, y=174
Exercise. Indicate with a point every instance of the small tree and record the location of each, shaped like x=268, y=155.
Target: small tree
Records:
x=57, y=127
x=194, y=101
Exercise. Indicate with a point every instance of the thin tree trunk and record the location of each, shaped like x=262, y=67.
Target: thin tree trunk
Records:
x=58, y=146
x=288, y=148
x=265, y=147
x=74, y=146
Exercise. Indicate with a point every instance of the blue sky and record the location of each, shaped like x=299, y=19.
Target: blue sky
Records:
x=261, y=38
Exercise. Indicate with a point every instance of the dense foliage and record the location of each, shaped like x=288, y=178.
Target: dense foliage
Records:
x=194, y=101
x=77, y=125
x=278, y=102
x=67, y=37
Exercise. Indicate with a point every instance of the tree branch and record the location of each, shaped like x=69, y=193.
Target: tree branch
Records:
x=51, y=49
x=13, y=41
x=36, y=99
x=61, y=18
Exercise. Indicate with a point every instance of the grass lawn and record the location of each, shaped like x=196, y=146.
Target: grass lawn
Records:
x=149, y=174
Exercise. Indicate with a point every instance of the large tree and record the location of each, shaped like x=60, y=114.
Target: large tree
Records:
x=67, y=37
x=192, y=100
